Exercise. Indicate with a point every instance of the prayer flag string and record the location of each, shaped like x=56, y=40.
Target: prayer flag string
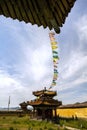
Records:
x=54, y=46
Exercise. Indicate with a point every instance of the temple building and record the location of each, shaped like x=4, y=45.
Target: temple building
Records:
x=43, y=105
x=23, y=106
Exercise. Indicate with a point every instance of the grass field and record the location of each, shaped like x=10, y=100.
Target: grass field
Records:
x=24, y=123
x=74, y=123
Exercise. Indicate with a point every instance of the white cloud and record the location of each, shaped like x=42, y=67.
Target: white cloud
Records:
x=76, y=63
x=71, y=97
x=13, y=87
x=32, y=69
x=73, y=70
x=81, y=27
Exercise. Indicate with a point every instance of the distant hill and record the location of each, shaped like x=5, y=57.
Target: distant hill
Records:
x=11, y=109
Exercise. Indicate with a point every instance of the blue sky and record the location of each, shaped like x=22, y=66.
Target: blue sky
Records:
x=26, y=59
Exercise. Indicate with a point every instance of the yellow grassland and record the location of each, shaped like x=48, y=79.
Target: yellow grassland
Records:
x=69, y=112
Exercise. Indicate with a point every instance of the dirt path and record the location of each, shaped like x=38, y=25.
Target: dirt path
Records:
x=70, y=128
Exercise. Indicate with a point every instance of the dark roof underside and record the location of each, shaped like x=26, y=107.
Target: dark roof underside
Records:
x=48, y=13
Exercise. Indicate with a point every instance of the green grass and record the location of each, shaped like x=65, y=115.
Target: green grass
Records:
x=79, y=123
x=24, y=123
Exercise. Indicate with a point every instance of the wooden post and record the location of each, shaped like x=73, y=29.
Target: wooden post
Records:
x=8, y=103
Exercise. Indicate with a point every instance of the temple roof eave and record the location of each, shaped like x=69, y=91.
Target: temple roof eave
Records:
x=45, y=92
x=46, y=13
x=44, y=103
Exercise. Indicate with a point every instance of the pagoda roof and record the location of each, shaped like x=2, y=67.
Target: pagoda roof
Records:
x=46, y=13
x=23, y=104
x=51, y=102
x=45, y=92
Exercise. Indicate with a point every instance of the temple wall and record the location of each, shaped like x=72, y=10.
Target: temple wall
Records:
x=70, y=112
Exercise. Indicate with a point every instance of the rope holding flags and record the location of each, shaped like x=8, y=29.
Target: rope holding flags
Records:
x=54, y=46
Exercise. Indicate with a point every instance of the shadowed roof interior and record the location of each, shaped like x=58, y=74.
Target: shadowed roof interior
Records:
x=46, y=13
